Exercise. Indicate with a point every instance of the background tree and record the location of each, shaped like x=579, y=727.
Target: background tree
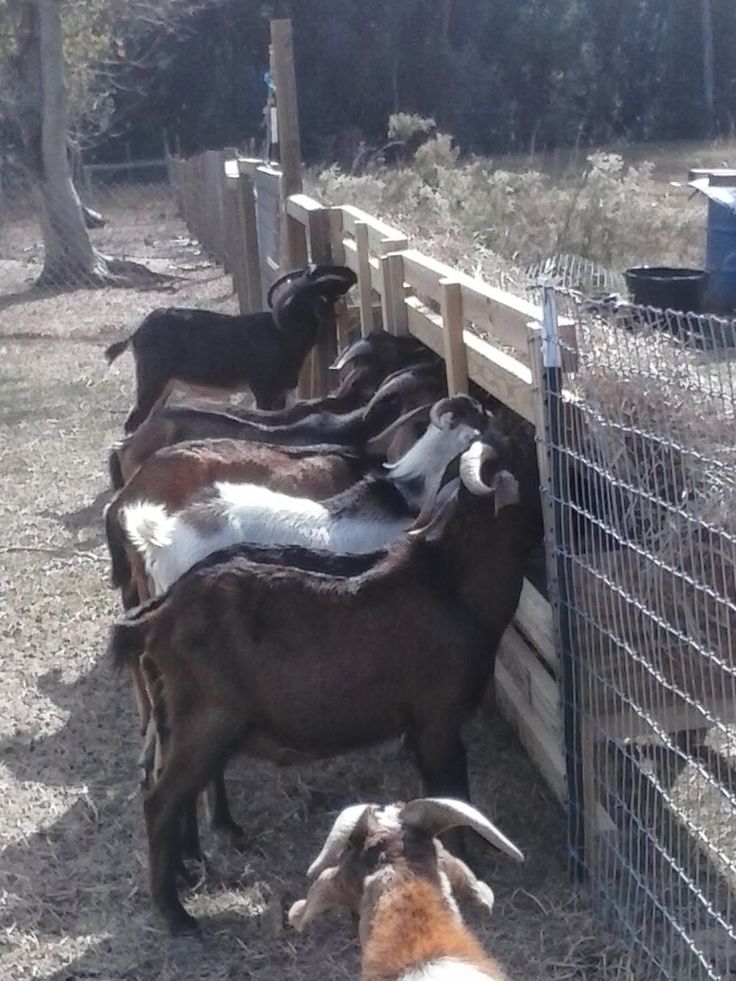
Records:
x=35, y=99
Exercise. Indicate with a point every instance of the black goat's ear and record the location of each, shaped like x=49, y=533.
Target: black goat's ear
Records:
x=323, y=307
x=431, y=526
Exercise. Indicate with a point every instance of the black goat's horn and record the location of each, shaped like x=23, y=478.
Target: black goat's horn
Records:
x=398, y=383
x=286, y=278
x=462, y=406
x=360, y=349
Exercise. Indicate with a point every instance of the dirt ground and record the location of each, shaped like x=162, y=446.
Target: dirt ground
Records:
x=74, y=898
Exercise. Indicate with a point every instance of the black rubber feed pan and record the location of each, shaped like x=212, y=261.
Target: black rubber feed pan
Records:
x=668, y=287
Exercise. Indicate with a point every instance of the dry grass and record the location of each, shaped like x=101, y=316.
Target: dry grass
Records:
x=73, y=892
x=620, y=206
x=658, y=420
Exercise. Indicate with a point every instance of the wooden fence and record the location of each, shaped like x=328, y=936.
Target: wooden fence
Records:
x=236, y=211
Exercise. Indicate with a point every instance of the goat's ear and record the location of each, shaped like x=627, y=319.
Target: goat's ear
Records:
x=324, y=894
x=399, y=436
x=464, y=884
x=431, y=523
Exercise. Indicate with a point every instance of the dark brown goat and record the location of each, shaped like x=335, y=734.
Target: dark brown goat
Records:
x=173, y=476
x=174, y=424
x=289, y=665
x=204, y=349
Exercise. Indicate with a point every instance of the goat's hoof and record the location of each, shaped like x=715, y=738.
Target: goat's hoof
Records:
x=232, y=830
x=180, y=922
x=189, y=877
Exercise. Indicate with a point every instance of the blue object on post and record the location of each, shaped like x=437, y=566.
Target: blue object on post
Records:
x=719, y=186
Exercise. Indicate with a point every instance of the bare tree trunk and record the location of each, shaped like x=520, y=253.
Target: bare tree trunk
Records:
x=69, y=256
x=41, y=112
x=709, y=86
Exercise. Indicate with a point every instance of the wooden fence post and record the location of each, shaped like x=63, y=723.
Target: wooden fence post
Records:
x=226, y=217
x=365, y=282
x=235, y=239
x=338, y=257
x=456, y=359
x=293, y=238
x=253, y=292
x=320, y=251
x=395, y=318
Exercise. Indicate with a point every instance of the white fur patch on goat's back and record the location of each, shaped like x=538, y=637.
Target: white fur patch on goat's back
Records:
x=147, y=523
x=448, y=969
x=237, y=513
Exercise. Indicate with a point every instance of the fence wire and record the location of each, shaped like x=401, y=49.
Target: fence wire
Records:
x=642, y=446
x=130, y=213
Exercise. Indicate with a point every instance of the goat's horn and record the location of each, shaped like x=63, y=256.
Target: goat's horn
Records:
x=342, y=277
x=345, y=824
x=374, y=443
x=471, y=466
x=286, y=278
x=352, y=379
x=435, y=815
x=459, y=405
x=436, y=513
x=397, y=383
x=361, y=349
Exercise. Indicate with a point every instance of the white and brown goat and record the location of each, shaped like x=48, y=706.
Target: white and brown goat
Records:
x=387, y=867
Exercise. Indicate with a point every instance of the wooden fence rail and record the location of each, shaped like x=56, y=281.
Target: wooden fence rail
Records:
x=237, y=214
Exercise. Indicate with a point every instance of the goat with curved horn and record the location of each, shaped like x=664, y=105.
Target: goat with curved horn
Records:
x=436, y=815
x=385, y=865
x=281, y=281
x=457, y=408
x=392, y=350
x=413, y=378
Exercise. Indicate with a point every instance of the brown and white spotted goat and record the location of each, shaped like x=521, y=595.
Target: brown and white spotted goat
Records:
x=386, y=865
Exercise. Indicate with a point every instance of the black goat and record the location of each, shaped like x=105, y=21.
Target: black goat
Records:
x=290, y=665
x=262, y=351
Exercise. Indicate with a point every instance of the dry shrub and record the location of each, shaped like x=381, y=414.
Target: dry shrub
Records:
x=609, y=212
x=657, y=604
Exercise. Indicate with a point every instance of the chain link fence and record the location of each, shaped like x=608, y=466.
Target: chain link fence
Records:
x=130, y=213
x=641, y=443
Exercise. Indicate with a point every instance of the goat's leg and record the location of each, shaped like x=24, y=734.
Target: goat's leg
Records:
x=443, y=765
x=161, y=807
x=442, y=761
x=187, y=766
x=218, y=806
x=267, y=401
x=142, y=700
x=152, y=390
x=190, y=846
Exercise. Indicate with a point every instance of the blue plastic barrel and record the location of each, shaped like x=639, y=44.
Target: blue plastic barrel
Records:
x=721, y=257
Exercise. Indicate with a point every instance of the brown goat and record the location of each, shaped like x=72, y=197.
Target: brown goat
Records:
x=290, y=665
x=174, y=475
x=418, y=384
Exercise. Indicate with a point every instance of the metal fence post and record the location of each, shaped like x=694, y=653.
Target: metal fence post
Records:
x=560, y=580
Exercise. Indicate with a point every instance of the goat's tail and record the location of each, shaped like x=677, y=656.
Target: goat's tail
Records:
x=128, y=636
x=119, y=564
x=115, y=470
x=147, y=525
x=116, y=349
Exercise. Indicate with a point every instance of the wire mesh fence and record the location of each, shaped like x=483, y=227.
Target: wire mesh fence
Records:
x=129, y=212
x=642, y=491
